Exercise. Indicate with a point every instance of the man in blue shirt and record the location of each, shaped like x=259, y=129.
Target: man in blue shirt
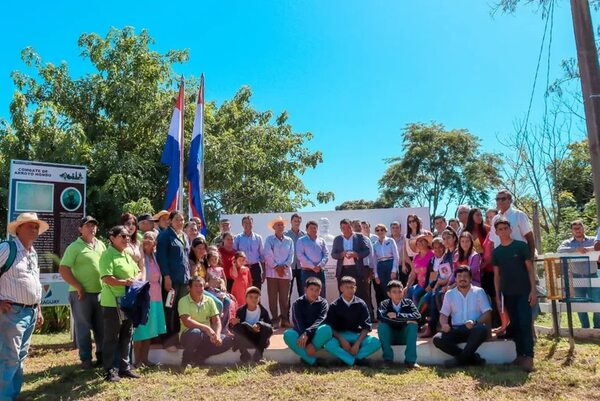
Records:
x=350, y=322
x=312, y=255
x=310, y=332
x=252, y=245
x=581, y=244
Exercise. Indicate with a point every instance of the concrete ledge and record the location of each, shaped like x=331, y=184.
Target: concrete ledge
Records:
x=495, y=352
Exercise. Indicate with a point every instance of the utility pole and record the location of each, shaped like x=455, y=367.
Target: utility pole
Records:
x=587, y=57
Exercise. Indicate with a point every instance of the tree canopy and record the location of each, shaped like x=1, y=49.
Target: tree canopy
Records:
x=439, y=168
x=114, y=120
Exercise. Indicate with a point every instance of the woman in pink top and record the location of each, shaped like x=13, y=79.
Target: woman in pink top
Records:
x=241, y=278
x=417, y=280
x=156, y=317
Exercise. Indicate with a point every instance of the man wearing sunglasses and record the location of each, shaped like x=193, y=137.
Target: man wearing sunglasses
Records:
x=519, y=222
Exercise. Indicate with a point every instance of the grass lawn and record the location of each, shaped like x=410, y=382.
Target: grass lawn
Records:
x=52, y=373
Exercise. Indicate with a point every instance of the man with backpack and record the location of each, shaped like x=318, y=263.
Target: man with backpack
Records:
x=20, y=297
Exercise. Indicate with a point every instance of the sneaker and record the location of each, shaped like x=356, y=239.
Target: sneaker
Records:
x=112, y=376
x=128, y=374
x=388, y=363
x=412, y=365
x=87, y=365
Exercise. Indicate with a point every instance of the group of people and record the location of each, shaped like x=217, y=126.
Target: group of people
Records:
x=456, y=283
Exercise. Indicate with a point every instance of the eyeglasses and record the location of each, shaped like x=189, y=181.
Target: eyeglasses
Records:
x=412, y=221
x=129, y=223
x=379, y=230
x=123, y=235
x=501, y=198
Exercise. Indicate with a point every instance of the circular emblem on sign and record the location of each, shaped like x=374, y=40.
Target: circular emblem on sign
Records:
x=71, y=199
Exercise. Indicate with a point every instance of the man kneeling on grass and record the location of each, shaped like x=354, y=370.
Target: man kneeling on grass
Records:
x=308, y=317
x=252, y=327
x=200, y=332
x=398, y=325
x=349, y=319
x=471, y=314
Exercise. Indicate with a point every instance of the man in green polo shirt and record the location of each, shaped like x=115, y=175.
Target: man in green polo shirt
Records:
x=200, y=332
x=79, y=267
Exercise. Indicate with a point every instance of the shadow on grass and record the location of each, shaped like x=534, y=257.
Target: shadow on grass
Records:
x=67, y=382
x=42, y=349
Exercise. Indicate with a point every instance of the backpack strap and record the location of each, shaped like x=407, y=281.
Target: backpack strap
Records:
x=12, y=254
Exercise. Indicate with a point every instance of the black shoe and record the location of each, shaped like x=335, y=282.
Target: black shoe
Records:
x=245, y=356
x=388, y=363
x=112, y=376
x=129, y=374
x=452, y=363
x=258, y=356
x=87, y=365
x=362, y=362
x=477, y=360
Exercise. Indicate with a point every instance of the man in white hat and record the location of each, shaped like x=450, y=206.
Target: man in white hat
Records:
x=279, y=257
x=20, y=297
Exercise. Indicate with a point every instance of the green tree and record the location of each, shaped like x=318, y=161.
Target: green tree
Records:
x=114, y=120
x=364, y=204
x=439, y=168
x=574, y=179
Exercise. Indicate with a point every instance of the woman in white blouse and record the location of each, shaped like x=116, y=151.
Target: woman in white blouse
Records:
x=385, y=253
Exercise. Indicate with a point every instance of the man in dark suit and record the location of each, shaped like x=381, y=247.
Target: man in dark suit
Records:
x=349, y=249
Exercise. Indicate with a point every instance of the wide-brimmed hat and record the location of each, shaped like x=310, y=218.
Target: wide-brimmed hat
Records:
x=27, y=218
x=160, y=214
x=278, y=219
x=426, y=237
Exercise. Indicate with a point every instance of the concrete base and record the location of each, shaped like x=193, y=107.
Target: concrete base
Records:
x=494, y=352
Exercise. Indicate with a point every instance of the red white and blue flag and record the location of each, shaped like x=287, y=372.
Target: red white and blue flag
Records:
x=195, y=170
x=172, y=155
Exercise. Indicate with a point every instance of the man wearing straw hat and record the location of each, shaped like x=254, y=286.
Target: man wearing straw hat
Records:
x=279, y=256
x=20, y=297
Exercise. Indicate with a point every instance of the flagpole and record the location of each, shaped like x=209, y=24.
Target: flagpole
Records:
x=181, y=136
x=202, y=146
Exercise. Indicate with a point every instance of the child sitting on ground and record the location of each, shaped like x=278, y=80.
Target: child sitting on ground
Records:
x=251, y=327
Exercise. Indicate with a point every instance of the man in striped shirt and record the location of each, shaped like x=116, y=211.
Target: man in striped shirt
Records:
x=20, y=297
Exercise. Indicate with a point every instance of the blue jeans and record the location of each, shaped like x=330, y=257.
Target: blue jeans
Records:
x=320, y=338
x=519, y=313
x=87, y=318
x=16, y=328
x=415, y=293
x=407, y=335
x=321, y=276
x=368, y=346
x=197, y=346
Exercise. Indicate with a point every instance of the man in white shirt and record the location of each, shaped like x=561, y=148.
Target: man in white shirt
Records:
x=470, y=310
x=20, y=297
x=519, y=222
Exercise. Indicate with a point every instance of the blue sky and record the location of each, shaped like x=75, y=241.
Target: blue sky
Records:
x=353, y=73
